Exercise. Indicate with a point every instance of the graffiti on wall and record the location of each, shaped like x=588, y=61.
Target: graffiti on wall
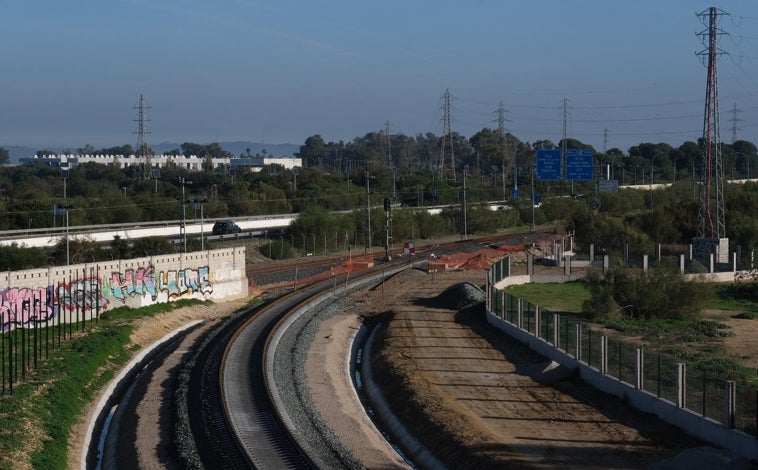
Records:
x=87, y=294
x=130, y=283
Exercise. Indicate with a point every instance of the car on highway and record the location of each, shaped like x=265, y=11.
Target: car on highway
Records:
x=225, y=227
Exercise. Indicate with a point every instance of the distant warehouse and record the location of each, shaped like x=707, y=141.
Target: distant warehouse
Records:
x=192, y=162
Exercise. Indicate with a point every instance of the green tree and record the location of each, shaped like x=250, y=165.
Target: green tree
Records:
x=15, y=258
x=5, y=156
x=152, y=246
x=313, y=149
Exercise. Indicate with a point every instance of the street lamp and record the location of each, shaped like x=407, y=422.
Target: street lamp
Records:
x=182, y=226
x=198, y=202
x=68, y=251
x=465, y=174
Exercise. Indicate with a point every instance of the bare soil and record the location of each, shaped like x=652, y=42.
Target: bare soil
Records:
x=480, y=400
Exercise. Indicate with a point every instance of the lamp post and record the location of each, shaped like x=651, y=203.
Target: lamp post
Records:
x=68, y=251
x=198, y=202
x=182, y=227
x=394, y=177
x=465, y=174
x=532, y=177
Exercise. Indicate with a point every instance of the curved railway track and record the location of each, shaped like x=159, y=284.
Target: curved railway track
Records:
x=229, y=401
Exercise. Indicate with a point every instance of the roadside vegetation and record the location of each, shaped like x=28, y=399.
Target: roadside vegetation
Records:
x=36, y=419
x=660, y=311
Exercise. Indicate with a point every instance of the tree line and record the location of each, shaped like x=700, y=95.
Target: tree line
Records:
x=345, y=176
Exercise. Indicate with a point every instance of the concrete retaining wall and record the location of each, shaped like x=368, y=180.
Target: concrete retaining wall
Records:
x=704, y=428
x=37, y=296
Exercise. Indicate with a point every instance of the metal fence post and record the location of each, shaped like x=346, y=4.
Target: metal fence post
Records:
x=730, y=403
x=556, y=328
x=603, y=355
x=578, y=329
x=502, y=305
x=520, y=313
x=681, y=385
x=537, y=321
x=639, y=380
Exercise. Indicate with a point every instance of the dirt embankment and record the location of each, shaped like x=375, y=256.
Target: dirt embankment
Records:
x=481, y=400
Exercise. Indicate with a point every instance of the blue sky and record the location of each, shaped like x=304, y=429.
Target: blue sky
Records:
x=280, y=71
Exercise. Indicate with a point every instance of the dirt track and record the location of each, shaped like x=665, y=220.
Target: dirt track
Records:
x=497, y=404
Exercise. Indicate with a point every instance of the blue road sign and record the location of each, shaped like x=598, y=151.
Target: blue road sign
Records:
x=579, y=164
x=549, y=164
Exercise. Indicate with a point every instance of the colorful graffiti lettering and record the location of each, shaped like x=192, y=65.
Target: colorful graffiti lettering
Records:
x=140, y=282
x=82, y=294
x=186, y=282
x=26, y=305
x=30, y=306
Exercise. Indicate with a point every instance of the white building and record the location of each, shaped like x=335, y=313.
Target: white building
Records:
x=192, y=163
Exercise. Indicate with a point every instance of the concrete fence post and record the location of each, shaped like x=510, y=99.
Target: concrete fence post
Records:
x=603, y=355
x=626, y=252
x=690, y=251
x=639, y=378
x=578, y=341
x=681, y=264
x=658, y=253
x=730, y=403
x=711, y=264
x=734, y=262
x=592, y=252
x=567, y=266
x=681, y=385
x=606, y=263
x=644, y=263
x=556, y=327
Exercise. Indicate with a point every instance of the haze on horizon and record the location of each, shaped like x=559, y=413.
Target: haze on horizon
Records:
x=278, y=72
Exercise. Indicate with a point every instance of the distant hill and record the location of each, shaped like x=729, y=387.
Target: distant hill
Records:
x=275, y=150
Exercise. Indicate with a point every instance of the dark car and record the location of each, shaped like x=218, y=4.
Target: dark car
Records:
x=224, y=227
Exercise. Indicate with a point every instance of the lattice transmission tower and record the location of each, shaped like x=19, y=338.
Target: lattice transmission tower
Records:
x=447, y=157
x=143, y=149
x=711, y=222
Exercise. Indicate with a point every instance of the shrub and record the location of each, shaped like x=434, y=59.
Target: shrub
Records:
x=659, y=293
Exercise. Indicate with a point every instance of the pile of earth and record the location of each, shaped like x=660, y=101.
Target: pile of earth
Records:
x=459, y=296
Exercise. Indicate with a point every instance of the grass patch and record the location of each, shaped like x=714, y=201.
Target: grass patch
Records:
x=556, y=297
x=697, y=342
x=36, y=421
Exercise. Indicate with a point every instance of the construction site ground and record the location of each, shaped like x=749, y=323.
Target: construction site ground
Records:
x=479, y=399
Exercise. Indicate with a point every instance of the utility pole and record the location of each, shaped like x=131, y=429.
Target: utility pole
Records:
x=605, y=140
x=711, y=221
x=734, y=122
x=502, y=143
x=143, y=149
x=564, y=144
x=368, y=213
x=465, y=228
x=388, y=140
x=447, y=157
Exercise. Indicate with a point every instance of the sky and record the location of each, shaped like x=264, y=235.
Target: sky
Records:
x=622, y=73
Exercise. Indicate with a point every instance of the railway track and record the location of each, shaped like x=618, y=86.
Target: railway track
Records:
x=227, y=395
